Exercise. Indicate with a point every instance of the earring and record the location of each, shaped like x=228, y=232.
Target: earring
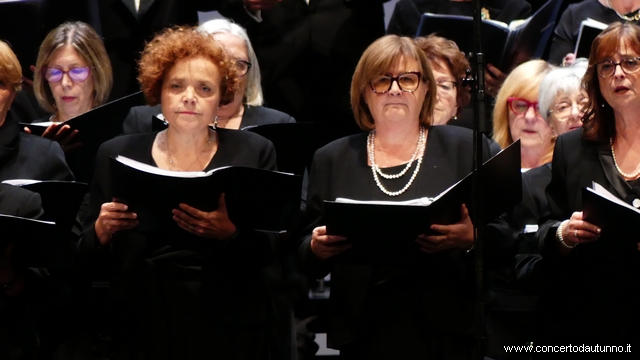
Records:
x=215, y=122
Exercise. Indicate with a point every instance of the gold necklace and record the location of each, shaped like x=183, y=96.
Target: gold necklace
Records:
x=172, y=164
x=632, y=16
x=615, y=162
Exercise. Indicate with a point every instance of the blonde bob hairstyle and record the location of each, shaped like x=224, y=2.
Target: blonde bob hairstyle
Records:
x=10, y=69
x=253, y=93
x=89, y=46
x=523, y=82
x=377, y=60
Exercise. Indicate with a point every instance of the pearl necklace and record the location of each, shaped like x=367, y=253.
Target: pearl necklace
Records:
x=634, y=17
x=376, y=170
x=615, y=162
x=175, y=168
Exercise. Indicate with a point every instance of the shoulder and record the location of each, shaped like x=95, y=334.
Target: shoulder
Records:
x=259, y=115
x=585, y=8
x=573, y=147
x=125, y=144
x=241, y=138
x=345, y=146
x=37, y=144
x=143, y=110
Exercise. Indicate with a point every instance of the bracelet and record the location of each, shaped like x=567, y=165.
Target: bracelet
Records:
x=559, y=236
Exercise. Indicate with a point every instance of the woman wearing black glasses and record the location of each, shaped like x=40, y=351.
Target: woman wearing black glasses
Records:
x=73, y=75
x=516, y=115
x=596, y=292
x=246, y=108
x=394, y=307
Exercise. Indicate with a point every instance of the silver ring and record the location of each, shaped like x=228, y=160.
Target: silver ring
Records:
x=575, y=233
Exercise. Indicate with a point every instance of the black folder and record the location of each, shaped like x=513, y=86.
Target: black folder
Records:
x=33, y=239
x=393, y=227
x=256, y=199
x=609, y=215
x=505, y=47
x=61, y=200
x=94, y=127
x=589, y=30
x=293, y=143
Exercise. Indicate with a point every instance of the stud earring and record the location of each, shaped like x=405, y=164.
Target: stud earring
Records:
x=215, y=122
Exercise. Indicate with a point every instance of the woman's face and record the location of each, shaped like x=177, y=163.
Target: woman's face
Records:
x=191, y=94
x=567, y=111
x=621, y=90
x=72, y=97
x=6, y=98
x=447, y=91
x=396, y=105
x=237, y=49
x=526, y=124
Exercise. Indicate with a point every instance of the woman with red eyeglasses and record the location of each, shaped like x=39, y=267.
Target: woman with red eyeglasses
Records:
x=516, y=115
x=73, y=75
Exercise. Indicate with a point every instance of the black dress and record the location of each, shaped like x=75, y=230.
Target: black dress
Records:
x=566, y=33
x=24, y=156
x=422, y=309
x=139, y=119
x=407, y=13
x=175, y=295
x=594, y=295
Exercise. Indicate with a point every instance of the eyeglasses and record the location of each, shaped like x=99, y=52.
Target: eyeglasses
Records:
x=521, y=106
x=76, y=74
x=562, y=110
x=407, y=82
x=629, y=65
x=447, y=87
x=243, y=67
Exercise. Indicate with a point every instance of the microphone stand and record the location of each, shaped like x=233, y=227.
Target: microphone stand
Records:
x=477, y=61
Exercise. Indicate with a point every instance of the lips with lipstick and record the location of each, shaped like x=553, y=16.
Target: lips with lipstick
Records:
x=188, y=113
x=620, y=89
x=68, y=98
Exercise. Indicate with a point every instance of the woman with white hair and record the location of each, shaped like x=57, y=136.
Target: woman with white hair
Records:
x=246, y=108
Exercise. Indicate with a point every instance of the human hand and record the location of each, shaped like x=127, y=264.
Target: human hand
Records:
x=114, y=217
x=214, y=224
x=569, y=59
x=63, y=134
x=325, y=246
x=458, y=235
x=255, y=5
x=578, y=231
x=493, y=79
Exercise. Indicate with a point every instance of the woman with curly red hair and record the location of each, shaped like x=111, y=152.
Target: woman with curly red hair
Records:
x=194, y=292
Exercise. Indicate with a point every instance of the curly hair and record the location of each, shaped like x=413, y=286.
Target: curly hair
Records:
x=89, y=46
x=444, y=51
x=179, y=43
x=10, y=69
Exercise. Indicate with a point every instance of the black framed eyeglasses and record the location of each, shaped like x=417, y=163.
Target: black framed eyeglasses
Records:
x=630, y=65
x=243, y=67
x=407, y=82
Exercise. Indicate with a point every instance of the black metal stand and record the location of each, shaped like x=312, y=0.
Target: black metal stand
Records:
x=477, y=62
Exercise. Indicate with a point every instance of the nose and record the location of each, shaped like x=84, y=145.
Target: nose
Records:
x=395, y=88
x=619, y=73
x=189, y=95
x=66, y=80
x=531, y=113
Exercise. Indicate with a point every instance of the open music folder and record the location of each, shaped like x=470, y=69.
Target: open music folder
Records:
x=608, y=212
x=392, y=226
x=34, y=239
x=94, y=127
x=255, y=198
x=504, y=45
